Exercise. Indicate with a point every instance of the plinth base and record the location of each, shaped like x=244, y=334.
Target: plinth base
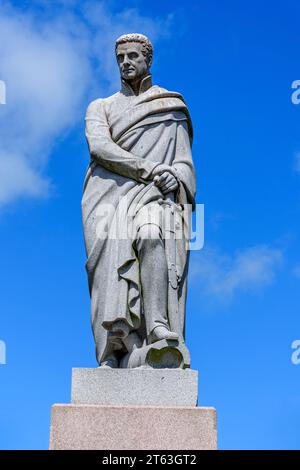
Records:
x=102, y=427
x=154, y=387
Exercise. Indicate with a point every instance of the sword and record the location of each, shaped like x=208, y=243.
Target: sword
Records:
x=170, y=246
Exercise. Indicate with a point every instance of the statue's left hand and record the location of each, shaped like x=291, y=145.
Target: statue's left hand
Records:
x=166, y=182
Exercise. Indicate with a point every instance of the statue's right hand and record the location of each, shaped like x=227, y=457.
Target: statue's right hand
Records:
x=166, y=182
x=160, y=169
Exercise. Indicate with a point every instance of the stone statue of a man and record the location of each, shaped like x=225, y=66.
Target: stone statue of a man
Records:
x=140, y=145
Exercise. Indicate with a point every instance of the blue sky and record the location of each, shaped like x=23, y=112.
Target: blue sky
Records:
x=234, y=62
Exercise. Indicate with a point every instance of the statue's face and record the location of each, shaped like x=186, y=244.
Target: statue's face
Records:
x=131, y=61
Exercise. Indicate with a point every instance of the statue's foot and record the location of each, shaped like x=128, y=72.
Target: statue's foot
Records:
x=106, y=365
x=110, y=363
x=162, y=332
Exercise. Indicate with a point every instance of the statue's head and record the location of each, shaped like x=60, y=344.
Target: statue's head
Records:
x=134, y=54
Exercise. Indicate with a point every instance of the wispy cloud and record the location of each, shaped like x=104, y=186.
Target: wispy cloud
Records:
x=53, y=61
x=221, y=275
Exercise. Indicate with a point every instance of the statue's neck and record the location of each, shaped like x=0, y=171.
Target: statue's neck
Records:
x=137, y=87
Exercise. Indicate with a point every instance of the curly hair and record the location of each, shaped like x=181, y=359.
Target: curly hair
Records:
x=147, y=48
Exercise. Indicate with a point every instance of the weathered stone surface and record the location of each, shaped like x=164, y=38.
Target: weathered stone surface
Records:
x=169, y=387
x=132, y=427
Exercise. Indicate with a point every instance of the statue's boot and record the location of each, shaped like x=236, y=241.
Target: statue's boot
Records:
x=161, y=332
x=111, y=362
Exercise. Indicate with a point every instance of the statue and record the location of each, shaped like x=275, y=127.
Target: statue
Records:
x=140, y=145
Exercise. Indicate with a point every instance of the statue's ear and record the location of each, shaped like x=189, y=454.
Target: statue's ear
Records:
x=149, y=61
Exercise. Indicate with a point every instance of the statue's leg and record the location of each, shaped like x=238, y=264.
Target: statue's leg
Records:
x=154, y=281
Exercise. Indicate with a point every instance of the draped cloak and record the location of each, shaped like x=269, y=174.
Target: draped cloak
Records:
x=128, y=137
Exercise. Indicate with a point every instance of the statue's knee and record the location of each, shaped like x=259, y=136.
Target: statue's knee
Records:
x=149, y=235
x=149, y=232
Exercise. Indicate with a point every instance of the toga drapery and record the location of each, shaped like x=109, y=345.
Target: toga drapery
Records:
x=128, y=137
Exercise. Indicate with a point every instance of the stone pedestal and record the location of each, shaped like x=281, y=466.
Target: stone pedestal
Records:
x=161, y=387
x=132, y=427
x=133, y=409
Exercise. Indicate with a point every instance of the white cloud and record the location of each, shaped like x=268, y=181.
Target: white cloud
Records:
x=52, y=65
x=221, y=276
